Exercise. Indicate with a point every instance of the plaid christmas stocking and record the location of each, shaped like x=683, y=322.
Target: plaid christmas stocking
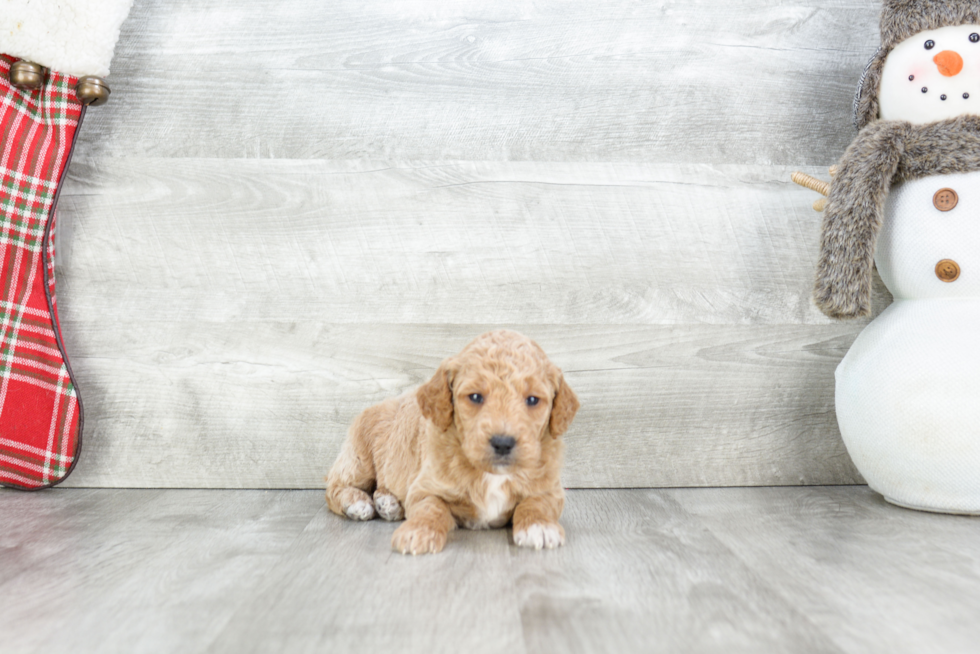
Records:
x=40, y=111
x=40, y=411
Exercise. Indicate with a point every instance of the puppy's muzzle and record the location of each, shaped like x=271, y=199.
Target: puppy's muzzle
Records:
x=502, y=445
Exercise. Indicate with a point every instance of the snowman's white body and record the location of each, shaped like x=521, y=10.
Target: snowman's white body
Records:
x=908, y=391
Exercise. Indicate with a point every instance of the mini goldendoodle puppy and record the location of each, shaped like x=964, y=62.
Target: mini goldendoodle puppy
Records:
x=477, y=445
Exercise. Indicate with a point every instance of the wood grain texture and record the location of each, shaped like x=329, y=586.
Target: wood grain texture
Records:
x=455, y=243
x=714, y=81
x=291, y=210
x=227, y=320
x=633, y=555
x=863, y=551
x=829, y=570
x=143, y=571
x=268, y=404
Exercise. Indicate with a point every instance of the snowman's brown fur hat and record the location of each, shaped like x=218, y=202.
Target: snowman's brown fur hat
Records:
x=901, y=19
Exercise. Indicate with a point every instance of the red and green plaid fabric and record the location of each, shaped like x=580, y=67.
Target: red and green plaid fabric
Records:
x=40, y=414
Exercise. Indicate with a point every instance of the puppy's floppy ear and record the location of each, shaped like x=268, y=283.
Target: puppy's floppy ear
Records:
x=563, y=408
x=435, y=397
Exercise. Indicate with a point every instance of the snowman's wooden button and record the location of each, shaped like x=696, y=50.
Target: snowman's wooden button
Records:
x=947, y=270
x=945, y=199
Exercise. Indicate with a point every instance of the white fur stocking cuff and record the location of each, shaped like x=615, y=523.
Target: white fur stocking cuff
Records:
x=75, y=37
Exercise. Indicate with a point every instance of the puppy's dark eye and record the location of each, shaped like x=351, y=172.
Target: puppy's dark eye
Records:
x=930, y=44
x=974, y=37
x=532, y=401
x=475, y=398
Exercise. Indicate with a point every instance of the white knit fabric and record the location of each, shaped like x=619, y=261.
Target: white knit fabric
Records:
x=908, y=391
x=908, y=404
x=916, y=236
x=76, y=37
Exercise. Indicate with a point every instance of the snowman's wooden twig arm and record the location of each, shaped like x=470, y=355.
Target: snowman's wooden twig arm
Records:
x=853, y=219
x=812, y=183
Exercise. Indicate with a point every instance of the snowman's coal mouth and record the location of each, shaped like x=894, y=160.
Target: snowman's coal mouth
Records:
x=942, y=96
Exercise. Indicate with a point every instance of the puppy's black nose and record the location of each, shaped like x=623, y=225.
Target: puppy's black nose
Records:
x=502, y=445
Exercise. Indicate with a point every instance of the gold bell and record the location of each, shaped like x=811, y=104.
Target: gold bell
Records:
x=92, y=91
x=26, y=75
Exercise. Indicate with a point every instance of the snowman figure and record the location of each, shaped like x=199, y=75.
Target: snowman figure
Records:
x=906, y=197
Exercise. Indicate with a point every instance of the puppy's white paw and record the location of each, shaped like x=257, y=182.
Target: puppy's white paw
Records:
x=360, y=510
x=388, y=507
x=540, y=535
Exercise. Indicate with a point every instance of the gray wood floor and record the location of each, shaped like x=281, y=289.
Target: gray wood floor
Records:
x=818, y=569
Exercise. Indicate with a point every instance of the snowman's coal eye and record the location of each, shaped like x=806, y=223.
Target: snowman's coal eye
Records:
x=911, y=77
x=974, y=37
x=930, y=44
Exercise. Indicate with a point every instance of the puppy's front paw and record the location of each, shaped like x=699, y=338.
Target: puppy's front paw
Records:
x=538, y=535
x=418, y=538
x=360, y=510
x=388, y=506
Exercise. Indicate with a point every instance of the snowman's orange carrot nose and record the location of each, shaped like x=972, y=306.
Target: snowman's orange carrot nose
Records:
x=949, y=63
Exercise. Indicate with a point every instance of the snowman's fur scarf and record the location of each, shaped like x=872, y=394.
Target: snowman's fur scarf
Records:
x=901, y=19
x=883, y=153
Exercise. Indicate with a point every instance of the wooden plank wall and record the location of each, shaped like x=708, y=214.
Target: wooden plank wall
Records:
x=292, y=209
